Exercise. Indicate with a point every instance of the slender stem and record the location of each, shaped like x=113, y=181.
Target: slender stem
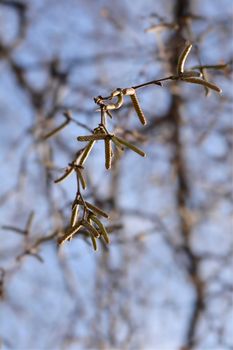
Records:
x=157, y=82
x=103, y=116
x=152, y=82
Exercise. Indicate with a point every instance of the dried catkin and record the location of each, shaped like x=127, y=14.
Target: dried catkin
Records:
x=90, y=228
x=86, y=152
x=182, y=59
x=191, y=74
x=138, y=109
x=74, y=215
x=129, y=145
x=118, y=144
x=213, y=66
x=108, y=152
x=202, y=82
x=93, y=137
x=94, y=242
x=101, y=228
x=81, y=178
x=96, y=210
x=70, y=233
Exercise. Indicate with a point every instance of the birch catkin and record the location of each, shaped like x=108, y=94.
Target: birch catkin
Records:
x=101, y=228
x=108, y=152
x=74, y=215
x=203, y=82
x=70, y=233
x=96, y=210
x=90, y=228
x=182, y=58
x=87, y=219
x=86, y=152
x=94, y=137
x=93, y=240
x=191, y=74
x=81, y=178
x=129, y=145
x=138, y=109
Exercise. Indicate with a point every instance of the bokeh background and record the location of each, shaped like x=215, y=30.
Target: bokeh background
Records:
x=165, y=281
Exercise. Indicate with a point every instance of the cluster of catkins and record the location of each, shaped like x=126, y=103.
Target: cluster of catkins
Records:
x=85, y=216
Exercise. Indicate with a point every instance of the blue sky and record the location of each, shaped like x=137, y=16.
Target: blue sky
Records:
x=40, y=302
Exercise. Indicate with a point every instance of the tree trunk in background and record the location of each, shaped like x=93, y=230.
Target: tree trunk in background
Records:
x=181, y=9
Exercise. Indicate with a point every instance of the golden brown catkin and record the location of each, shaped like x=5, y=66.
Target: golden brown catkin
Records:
x=108, y=153
x=213, y=66
x=182, y=58
x=81, y=178
x=101, y=228
x=93, y=239
x=129, y=145
x=191, y=74
x=138, y=109
x=204, y=77
x=90, y=228
x=74, y=215
x=96, y=210
x=86, y=152
x=93, y=137
x=94, y=244
x=70, y=233
x=203, y=82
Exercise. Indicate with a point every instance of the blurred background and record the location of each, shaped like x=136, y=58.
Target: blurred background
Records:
x=165, y=281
